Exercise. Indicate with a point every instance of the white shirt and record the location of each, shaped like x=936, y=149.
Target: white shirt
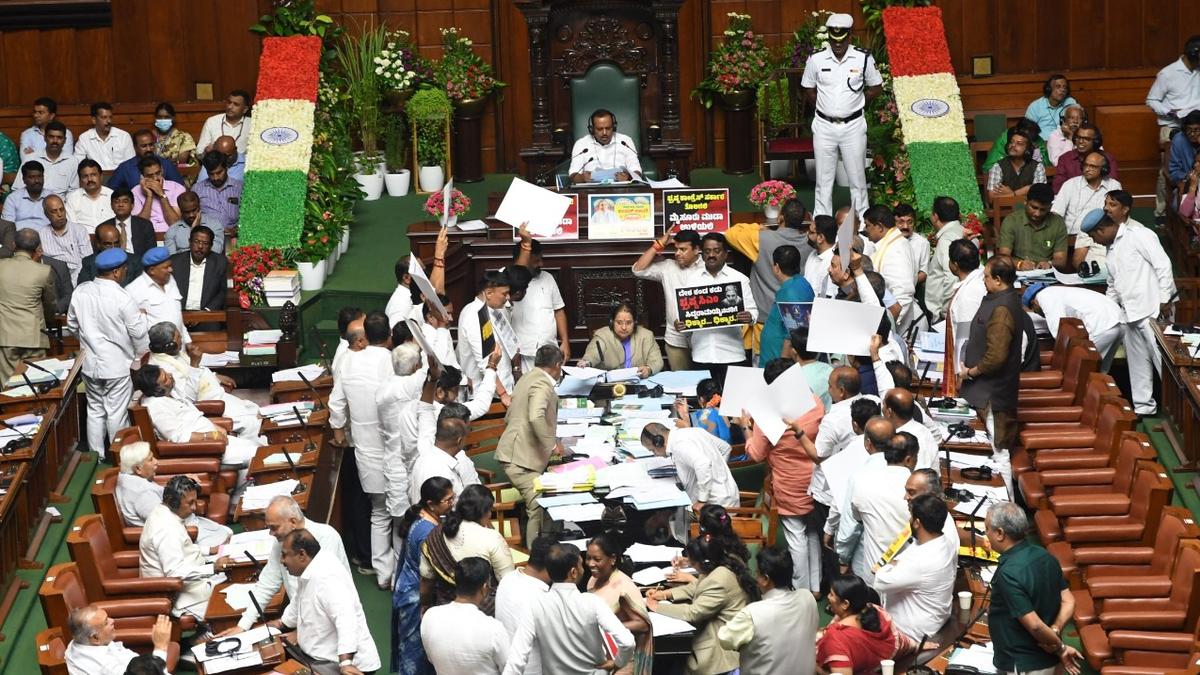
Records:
x=274, y=575
x=34, y=139
x=833, y=434
x=112, y=658
x=470, y=349
x=917, y=587
x=166, y=550
x=938, y=277
x=701, y=461
x=611, y=156
x=60, y=175
x=400, y=306
x=111, y=330
x=533, y=316
x=816, y=272
x=841, y=84
x=442, y=343
x=927, y=457
x=195, y=284
x=1176, y=87
x=89, y=212
x=409, y=418
x=967, y=294
x=920, y=252
x=1097, y=312
x=461, y=640
x=328, y=616
x=360, y=375
x=722, y=345
x=838, y=483
x=517, y=595
x=159, y=303
x=433, y=461
x=396, y=394
x=1075, y=200
x=879, y=505
x=71, y=246
x=565, y=629
x=893, y=260
x=671, y=276
x=175, y=421
x=1140, y=277
x=108, y=152
x=217, y=126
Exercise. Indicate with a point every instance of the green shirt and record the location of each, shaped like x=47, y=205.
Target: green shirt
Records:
x=998, y=151
x=1028, y=579
x=1035, y=244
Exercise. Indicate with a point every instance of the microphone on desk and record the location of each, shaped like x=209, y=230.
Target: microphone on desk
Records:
x=15, y=444
x=318, y=404
x=257, y=607
x=633, y=173
x=308, y=440
x=253, y=561
x=974, y=534
x=322, y=350
x=31, y=364
x=42, y=388
x=545, y=176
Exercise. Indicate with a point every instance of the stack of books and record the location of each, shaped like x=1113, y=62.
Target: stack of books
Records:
x=259, y=348
x=280, y=286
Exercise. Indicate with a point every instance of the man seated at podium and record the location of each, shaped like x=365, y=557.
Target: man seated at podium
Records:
x=596, y=156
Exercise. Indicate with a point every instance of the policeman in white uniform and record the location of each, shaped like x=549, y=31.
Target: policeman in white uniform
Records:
x=604, y=148
x=840, y=80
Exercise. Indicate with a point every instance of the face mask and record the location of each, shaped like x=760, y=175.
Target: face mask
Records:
x=163, y=125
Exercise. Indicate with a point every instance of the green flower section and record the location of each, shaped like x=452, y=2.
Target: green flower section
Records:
x=944, y=169
x=272, y=208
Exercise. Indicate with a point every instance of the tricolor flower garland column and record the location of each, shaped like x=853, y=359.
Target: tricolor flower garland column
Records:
x=931, y=114
x=281, y=138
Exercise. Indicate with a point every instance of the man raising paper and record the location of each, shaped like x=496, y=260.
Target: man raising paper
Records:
x=604, y=150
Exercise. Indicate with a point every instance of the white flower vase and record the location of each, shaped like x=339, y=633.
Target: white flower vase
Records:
x=771, y=212
x=371, y=185
x=312, y=275
x=432, y=178
x=397, y=183
x=451, y=222
x=345, y=242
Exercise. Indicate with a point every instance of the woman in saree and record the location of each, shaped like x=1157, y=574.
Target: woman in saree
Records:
x=408, y=654
x=613, y=585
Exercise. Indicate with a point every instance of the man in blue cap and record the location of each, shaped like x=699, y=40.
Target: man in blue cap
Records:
x=112, y=332
x=156, y=293
x=1099, y=314
x=1142, y=282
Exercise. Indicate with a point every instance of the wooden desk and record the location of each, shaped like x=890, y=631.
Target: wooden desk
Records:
x=255, y=520
x=14, y=532
x=221, y=616
x=65, y=421
x=1180, y=399
x=36, y=481
x=304, y=457
x=315, y=430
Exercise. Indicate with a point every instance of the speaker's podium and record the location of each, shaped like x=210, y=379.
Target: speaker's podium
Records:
x=620, y=55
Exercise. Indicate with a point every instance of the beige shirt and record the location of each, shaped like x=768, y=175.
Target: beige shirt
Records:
x=475, y=540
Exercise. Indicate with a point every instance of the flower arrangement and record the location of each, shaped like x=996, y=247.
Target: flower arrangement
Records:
x=398, y=66
x=929, y=109
x=248, y=265
x=332, y=191
x=811, y=37
x=742, y=61
x=772, y=193
x=459, y=203
x=462, y=72
x=428, y=110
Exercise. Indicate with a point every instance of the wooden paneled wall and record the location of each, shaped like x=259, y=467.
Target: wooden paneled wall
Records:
x=159, y=49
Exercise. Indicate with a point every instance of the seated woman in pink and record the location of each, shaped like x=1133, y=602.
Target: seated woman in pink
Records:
x=861, y=633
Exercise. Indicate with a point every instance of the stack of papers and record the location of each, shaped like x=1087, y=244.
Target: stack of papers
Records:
x=257, y=543
x=576, y=386
x=237, y=596
x=580, y=413
x=647, y=553
x=471, y=225
x=977, y=658
x=264, y=337
x=577, y=513
x=221, y=360
x=281, y=287
x=281, y=458
x=680, y=381
x=617, y=375
x=666, y=625
x=652, y=576
x=256, y=497
x=571, y=430
x=311, y=371
x=960, y=412
x=579, y=479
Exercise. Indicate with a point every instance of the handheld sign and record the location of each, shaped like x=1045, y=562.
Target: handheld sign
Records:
x=710, y=306
x=702, y=210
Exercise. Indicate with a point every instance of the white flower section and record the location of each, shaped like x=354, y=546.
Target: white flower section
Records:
x=947, y=128
x=273, y=116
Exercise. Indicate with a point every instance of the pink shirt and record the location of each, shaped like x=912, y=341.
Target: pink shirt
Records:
x=791, y=467
x=172, y=190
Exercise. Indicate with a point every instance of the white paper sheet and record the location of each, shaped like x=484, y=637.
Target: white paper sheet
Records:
x=312, y=371
x=471, y=225
x=842, y=327
x=426, y=287
x=419, y=335
x=577, y=513
x=680, y=381
x=621, y=375
x=743, y=385
x=541, y=208
x=570, y=430
x=263, y=337
x=667, y=625
x=788, y=397
x=574, y=386
x=646, y=553
x=256, y=497
x=447, y=190
x=845, y=238
x=583, y=373
x=668, y=184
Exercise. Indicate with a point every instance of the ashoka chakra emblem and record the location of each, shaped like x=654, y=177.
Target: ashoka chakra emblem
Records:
x=279, y=135
x=930, y=107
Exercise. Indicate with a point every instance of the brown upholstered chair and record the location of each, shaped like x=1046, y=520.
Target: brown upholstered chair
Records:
x=1085, y=562
x=1051, y=374
x=103, y=578
x=1116, y=417
x=1082, y=360
x=1061, y=490
x=1041, y=425
x=124, y=537
x=62, y=592
x=1166, y=601
x=1152, y=491
x=52, y=651
x=141, y=419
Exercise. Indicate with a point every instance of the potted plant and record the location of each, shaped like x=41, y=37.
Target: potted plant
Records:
x=400, y=70
x=459, y=205
x=395, y=147
x=771, y=195
x=429, y=115
x=468, y=81
x=357, y=59
x=735, y=70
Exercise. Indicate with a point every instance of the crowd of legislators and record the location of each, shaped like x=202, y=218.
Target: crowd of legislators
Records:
x=882, y=559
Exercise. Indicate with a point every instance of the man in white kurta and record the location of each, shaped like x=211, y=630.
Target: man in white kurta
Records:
x=603, y=149
x=893, y=260
x=112, y=333
x=137, y=495
x=156, y=293
x=393, y=397
x=359, y=377
x=94, y=649
x=917, y=585
x=166, y=550
x=701, y=461
x=474, y=347
x=878, y=506
x=283, y=516
x=179, y=421
x=194, y=382
x=325, y=611
x=1101, y=316
x=440, y=452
